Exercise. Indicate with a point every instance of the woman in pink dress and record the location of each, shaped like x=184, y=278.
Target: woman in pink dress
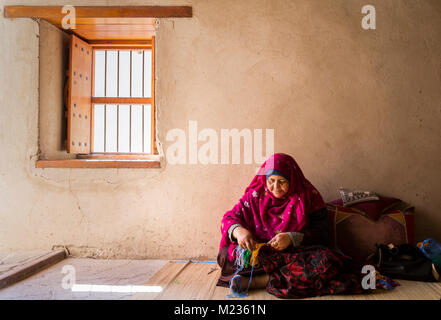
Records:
x=283, y=210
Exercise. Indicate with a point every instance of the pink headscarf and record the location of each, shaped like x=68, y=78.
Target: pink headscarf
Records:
x=263, y=214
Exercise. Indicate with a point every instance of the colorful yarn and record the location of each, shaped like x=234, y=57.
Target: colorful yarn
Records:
x=383, y=282
x=254, y=256
x=244, y=259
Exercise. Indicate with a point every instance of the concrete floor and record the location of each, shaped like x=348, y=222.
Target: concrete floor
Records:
x=47, y=284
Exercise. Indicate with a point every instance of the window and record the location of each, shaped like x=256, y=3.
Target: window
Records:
x=110, y=103
x=110, y=95
x=123, y=127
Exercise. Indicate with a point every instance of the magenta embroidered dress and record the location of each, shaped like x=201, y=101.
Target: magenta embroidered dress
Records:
x=306, y=270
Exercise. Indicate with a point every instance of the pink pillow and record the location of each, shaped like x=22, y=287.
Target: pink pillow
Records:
x=356, y=235
x=373, y=208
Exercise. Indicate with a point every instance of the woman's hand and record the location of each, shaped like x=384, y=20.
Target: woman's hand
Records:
x=244, y=238
x=280, y=242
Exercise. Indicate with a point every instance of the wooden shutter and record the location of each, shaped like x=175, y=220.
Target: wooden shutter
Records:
x=79, y=104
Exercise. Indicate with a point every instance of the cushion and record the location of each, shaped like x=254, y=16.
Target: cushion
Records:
x=355, y=234
x=372, y=209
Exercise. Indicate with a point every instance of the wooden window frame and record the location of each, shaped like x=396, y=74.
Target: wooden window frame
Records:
x=115, y=160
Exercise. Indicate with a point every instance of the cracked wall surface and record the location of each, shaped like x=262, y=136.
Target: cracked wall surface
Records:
x=357, y=109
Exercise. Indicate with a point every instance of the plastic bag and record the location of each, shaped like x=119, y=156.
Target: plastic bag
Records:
x=432, y=250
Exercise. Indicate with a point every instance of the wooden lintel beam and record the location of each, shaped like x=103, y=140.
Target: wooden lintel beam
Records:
x=55, y=12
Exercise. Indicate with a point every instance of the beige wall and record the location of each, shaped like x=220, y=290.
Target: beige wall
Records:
x=54, y=58
x=355, y=108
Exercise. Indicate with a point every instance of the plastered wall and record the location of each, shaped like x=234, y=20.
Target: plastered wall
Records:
x=356, y=108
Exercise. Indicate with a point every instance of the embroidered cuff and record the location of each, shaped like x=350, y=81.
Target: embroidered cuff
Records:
x=296, y=238
x=230, y=231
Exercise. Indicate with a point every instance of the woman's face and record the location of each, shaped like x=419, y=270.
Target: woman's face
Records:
x=278, y=185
